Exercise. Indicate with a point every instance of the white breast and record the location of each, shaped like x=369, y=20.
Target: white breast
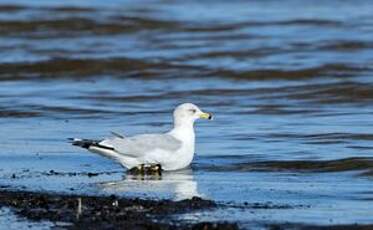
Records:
x=183, y=156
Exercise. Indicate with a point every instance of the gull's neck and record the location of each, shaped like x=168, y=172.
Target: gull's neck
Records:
x=184, y=131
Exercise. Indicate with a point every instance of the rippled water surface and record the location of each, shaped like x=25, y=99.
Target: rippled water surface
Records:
x=290, y=84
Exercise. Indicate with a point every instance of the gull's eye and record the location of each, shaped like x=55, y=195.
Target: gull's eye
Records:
x=193, y=110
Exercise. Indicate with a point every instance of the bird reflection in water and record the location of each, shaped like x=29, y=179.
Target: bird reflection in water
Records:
x=179, y=184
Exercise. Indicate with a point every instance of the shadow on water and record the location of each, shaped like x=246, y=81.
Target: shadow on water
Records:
x=364, y=165
x=91, y=68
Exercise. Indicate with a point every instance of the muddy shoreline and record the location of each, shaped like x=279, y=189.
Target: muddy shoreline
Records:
x=112, y=212
x=93, y=212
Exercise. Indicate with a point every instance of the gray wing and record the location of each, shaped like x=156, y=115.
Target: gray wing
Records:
x=140, y=145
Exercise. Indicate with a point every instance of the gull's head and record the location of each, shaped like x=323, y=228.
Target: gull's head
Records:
x=187, y=113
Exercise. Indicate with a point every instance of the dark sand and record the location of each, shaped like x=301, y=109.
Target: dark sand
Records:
x=111, y=212
x=94, y=212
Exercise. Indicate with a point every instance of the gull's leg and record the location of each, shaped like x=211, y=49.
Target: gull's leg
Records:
x=142, y=169
x=137, y=170
x=156, y=169
x=151, y=169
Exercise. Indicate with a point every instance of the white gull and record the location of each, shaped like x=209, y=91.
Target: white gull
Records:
x=172, y=150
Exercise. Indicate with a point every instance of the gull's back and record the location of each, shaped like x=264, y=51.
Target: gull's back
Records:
x=141, y=145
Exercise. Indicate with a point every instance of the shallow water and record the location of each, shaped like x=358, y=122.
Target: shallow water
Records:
x=290, y=85
x=8, y=218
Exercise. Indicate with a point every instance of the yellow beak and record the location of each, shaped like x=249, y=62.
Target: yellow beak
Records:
x=206, y=116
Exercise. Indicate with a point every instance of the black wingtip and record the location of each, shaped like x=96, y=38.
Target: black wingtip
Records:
x=86, y=143
x=81, y=142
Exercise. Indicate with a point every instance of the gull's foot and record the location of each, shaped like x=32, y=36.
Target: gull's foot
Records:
x=143, y=169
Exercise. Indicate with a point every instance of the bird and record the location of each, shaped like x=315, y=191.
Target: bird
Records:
x=168, y=151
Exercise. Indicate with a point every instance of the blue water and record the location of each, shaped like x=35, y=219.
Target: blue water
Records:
x=287, y=81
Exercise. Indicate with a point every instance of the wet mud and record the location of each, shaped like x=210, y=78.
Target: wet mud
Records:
x=112, y=212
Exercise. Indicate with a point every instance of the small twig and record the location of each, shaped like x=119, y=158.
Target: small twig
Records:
x=79, y=208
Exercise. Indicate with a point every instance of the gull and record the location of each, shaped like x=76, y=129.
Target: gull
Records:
x=172, y=150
